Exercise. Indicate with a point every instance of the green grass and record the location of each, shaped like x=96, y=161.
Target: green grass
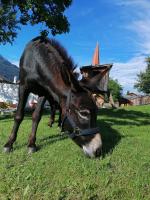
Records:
x=59, y=170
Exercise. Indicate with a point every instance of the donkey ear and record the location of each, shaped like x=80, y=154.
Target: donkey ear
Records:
x=97, y=84
x=70, y=79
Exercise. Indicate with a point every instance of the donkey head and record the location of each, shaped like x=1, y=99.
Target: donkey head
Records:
x=80, y=122
x=80, y=115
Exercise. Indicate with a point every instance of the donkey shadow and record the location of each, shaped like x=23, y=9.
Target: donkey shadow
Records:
x=110, y=137
x=120, y=117
x=45, y=141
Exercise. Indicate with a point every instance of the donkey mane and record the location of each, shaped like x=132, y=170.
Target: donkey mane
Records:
x=60, y=49
x=67, y=68
x=63, y=53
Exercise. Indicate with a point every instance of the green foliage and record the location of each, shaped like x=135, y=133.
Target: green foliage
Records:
x=60, y=170
x=48, y=12
x=115, y=88
x=143, y=79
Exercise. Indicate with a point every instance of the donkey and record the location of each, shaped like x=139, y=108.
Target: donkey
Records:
x=46, y=70
x=53, y=108
x=53, y=113
x=55, y=105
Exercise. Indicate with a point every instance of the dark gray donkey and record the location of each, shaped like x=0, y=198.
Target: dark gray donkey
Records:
x=47, y=70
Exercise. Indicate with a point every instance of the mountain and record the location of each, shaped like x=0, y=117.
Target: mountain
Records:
x=7, y=69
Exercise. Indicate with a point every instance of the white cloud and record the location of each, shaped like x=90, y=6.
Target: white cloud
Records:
x=141, y=3
x=140, y=23
x=142, y=29
x=126, y=73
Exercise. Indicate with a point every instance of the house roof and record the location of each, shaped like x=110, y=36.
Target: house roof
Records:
x=95, y=68
x=96, y=60
x=4, y=80
x=135, y=97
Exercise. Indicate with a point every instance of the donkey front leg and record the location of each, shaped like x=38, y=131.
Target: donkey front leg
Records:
x=23, y=95
x=36, y=117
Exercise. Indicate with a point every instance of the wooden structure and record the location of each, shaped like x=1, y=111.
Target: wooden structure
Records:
x=90, y=71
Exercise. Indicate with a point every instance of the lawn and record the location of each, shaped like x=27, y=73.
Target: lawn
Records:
x=59, y=170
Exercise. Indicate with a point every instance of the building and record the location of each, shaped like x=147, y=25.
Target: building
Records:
x=4, y=80
x=92, y=70
x=96, y=68
x=9, y=95
x=136, y=99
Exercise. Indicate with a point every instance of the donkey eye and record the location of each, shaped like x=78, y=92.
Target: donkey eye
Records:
x=84, y=114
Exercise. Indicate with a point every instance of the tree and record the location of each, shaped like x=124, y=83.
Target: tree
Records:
x=20, y=12
x=115, y=88
x=143, y=79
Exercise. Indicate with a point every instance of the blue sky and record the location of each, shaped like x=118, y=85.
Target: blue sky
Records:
x=120, y=26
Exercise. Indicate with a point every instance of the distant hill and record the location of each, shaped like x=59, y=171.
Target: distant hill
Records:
x=8, y=70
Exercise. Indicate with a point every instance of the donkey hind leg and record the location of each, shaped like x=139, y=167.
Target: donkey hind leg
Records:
x=59, y=119
x=23, y=95
x=36, y=117
x=52, y=115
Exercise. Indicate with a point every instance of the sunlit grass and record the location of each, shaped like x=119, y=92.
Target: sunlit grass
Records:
x=59, y=170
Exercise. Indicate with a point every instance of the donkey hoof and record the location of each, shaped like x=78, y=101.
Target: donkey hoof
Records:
x=32, y=150
x=7, y=149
